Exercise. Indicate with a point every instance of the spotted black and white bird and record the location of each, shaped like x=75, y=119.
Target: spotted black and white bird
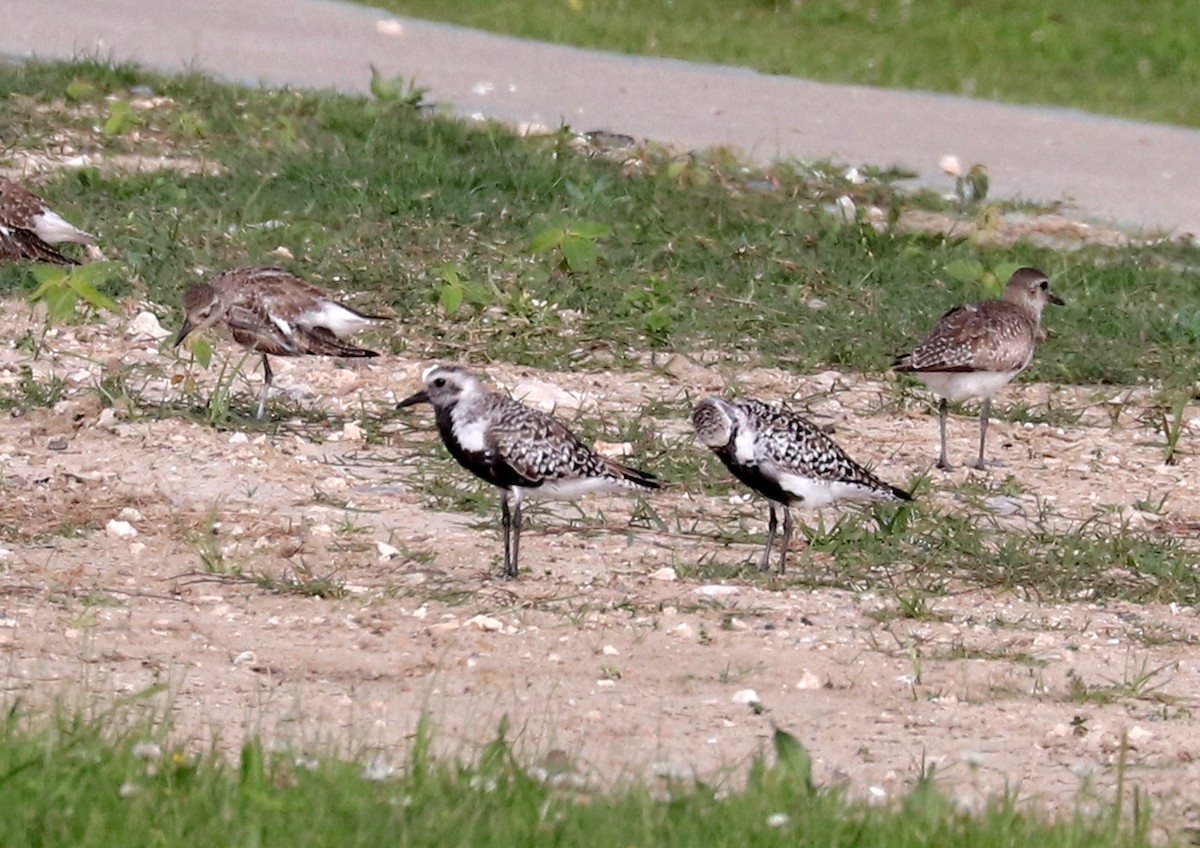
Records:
x=521, y=450
x=271, y=311
x=29, y=228
x=976, y=350
x=786, y=459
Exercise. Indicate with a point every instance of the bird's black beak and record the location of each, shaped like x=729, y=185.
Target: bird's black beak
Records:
x=420, y=397
x=1056, y=300
x=187, y=327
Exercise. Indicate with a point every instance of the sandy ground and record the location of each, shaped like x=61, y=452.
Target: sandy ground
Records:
x=607, y=661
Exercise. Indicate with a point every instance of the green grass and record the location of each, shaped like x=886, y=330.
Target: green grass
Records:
x=82, y=784
x=1099, y=55
x=435, y=219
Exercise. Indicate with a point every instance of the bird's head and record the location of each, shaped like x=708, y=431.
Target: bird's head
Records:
x=200, y=309
x=715, y=422
x=444, y=386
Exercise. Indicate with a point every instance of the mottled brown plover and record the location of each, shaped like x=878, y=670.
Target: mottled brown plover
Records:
x=28, y=228
x=976, y=350
x=271, y=311
x=786, y=459
x=521, y=450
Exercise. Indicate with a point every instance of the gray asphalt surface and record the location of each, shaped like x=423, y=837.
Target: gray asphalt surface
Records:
x=1139, y=176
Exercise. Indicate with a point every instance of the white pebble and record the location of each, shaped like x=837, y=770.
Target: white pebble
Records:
x=386, y=551
x=665, y=574
x=485, y=622
x=808, y=680
x=120, y=529
x=145, y=325
x=715, y=591
x=610, y=651
x=745, y=696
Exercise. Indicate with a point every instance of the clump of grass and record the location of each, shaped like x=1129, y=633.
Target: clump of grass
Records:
x=102, y=783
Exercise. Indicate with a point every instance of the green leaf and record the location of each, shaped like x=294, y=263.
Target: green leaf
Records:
x=91, y=294
x=546, y=240
x=793, y=760
x=451, y=298
x=60, y=304
x=580, y=253
x=120, y=118
x=202, y=351
x=590, y=229
x=965, y=270
x=80, y=89
x=47, y=277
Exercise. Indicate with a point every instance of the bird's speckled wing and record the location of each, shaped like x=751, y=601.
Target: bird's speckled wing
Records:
x=991, y=335
x=789, y=443
x=539, y=447
x=18, y=244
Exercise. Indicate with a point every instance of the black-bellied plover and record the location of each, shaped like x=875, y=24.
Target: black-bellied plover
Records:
x=975, y=350
x=521, y=450
x=28, y=228
x=271, y=311
x=786, y=459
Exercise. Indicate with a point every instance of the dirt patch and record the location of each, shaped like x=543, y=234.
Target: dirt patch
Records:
x=296, y=582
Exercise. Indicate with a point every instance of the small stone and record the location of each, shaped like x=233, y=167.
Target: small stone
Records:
x=239, y=438
x=1138, y=734
x=716, y=591
x=351, y=432
x=610, y=651
x=117, y=529
x=57, y=444
x=778, y=820
x=684, y=631
x=386, y=551
x=485, y=623
x=145, y=326
x=129, y=514
x=808, y=680
x=665, y=574
x=745, y=696
x=245, y=657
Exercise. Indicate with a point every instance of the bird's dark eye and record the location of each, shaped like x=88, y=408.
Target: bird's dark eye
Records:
x=439, y=382
x=1045, y=284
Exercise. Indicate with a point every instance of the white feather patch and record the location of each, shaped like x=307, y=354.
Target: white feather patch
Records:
x=818, y=493
x=569, y=490
x=471, y=434
x=52, y=228
x=745, y=445
x=334, y=317
x=959, y=386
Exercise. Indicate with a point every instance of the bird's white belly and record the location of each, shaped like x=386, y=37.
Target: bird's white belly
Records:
x=569, y=490
x=818, y=493
x=963, y=385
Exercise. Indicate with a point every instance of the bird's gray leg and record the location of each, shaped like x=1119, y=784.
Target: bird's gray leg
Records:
x=267, y=378
x=772, y=523
x=516, y=535
x=983, y=422
x=506, y=523
x=943, y=461
x=787, y=537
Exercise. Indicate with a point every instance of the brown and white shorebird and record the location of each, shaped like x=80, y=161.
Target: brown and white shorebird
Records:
x=29, y=228
x=786, y=459
x=271, y=311
x=975, y=350
x=521, y=450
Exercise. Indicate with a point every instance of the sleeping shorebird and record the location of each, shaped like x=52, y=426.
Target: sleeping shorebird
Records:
x=786, y=459
x=271, y=311
x=975, y=350
x=517, y=448
x=28, y=228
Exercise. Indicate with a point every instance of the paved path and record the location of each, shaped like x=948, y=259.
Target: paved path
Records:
x=1136, y=175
